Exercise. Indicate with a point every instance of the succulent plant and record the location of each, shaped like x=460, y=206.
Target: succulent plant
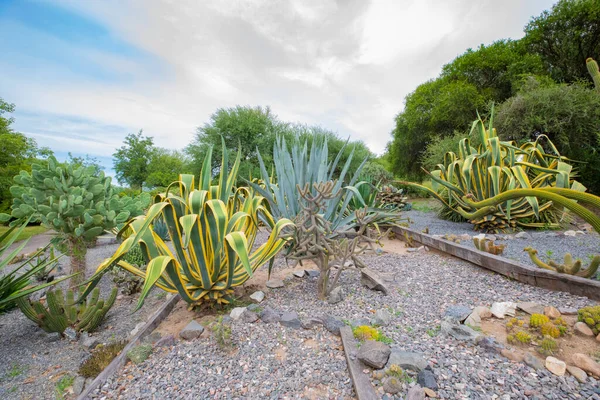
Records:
x=569, y=266
x=549, y=329
x=523, y=337
x=548, y=345
x=365, y=332
x=488, y=246
x=592, y=67
x=63, y=313
x=591, y=316
x=537, y=320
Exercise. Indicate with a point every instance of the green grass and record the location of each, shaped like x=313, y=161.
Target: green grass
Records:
x=424, y=205
x=16, y=370
x=27, y=232
x=64, y=382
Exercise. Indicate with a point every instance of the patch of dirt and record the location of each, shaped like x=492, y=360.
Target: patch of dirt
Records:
x=395, y=246
x=260, y=277
x=177, y=319
x=568, y=345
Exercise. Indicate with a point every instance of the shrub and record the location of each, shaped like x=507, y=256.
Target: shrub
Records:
x=100, y=358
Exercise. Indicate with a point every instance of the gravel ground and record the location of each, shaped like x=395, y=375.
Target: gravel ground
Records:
x=549, y=244
x=31, y=363
x=422, y=285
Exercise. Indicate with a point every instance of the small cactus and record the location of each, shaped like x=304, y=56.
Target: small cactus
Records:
x=523, y=337
x=488, y=246
x=569, y=266
x=549, y=329
x=537, y=320
x=365, y=332
x=63, y=312
x=591, y=317
x=548, y=345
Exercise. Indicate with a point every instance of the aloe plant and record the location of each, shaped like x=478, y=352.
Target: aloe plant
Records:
x=212, y=231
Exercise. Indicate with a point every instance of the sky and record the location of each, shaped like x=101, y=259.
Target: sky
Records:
x=84, y=74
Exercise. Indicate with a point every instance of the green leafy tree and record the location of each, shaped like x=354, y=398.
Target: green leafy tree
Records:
x=165, y=167
x=565, y=36
x=87, y=161
x=132, y=160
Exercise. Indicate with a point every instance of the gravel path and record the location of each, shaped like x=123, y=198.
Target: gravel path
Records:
x=549, y=244
x=31, y=363
x=423, y=286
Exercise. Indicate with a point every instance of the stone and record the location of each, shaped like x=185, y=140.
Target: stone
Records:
x=311, y=322
x=570, y=233
x=567, y=311
x=522, y=235
x=165, y=341
x=336, y=295
x=254, y=307
x=70, y=333
x=372, y=280
x=533, y=361
x=274, y=283
x=258, y=296
x=407, y=360
x=426, y=379
x=192, y=330
x=152, y=338
x=360, y=322
x=237, y=312
x=513, y=355
x=78, y=385
x=502, y=309
x=483, y=312
x=577, y=373
x=299, y=274
x=430, y=393
x=268, y=315
x=53, y=337
x=531, y=308
x=586, y=363
x=489, y=344
x=473, y=321
x=382, y=317
x=290, y=319
x=392, y=385
x=415, y=249
x=137, y=328
x=551, y=312
x=88, y=341
x=457, y=314
x=374, y=354
x=415, y=393
x=464, y=236
x=249, y=317
x=140, y=353
x=460, y=332
x=333, y=325
x=556, y=366
x=312, y=273
x=582, y=329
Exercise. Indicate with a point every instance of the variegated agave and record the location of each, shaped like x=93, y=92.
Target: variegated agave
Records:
x=212, y=230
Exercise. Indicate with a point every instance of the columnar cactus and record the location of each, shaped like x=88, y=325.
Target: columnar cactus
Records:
x=592, y=67
x=63, y=312
x=569, y=266
x=488, y=246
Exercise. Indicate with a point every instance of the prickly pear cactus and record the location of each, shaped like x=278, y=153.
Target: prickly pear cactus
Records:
x=62, y=313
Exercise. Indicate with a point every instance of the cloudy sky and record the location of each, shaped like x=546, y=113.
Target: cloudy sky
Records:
x=83, y=74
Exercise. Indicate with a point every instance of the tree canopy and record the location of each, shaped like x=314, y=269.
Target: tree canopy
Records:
x=131, y=161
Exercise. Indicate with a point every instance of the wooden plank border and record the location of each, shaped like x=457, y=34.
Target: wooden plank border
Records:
x=120, y=360
x=362, y=384
x=523, y=273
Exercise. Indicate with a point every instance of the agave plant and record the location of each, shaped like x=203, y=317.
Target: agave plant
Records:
x=212, y=230
x=473, y=176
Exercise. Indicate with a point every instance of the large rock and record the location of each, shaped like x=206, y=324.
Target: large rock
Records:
x=556, y=366
x=311, y=322
x=582, y=329
x=88, y=341
x=191, y=331
x=415, y=393
x=483, y=312
x=522, y=235
x=473, y=320
x=586, y=363
x=489, y=344
x=268, y=315
x=249, y=316
x=382, y=317
x=577, y=373
x=165, y=341
x=237, y=312
x=373, y=280
x=567, y=310
x=533, y=361
x=426, y=379
x=299, y=274
x=274, y=283
x=502, y=309
x=336, y=295
x=513, y=355
x=407, y=360
x=312, y=273
x=460, y=332
x=392, y=385
x=78, y=385
x=551, y=312
x=457, y=314
x=290, y=319
x=531, y=308
x=333, y=324
x=374, y=354
x=258, y=296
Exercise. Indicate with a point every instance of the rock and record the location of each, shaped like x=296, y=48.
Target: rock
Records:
x=481, y=236
x=290, y=319
x=165, y=341
x=382, y=318
x=70, y=333
x=533, y=361
x=483, y=312
x=360, y=322
x=78, y=385
x=88, y=341
x=249, y=316
x=556, y=366
x=268, y=315
x=372, y=280
x=299, y=274
x=513, y=355
x=192, y=330
x=258, y=296
x=586, y=363
x=53, y=337
x=430, y=393
x=407, y=360
x=567, y=311
x=473, y=321
x=489, y=344
x=415, y=393
x=237, y=312
x=374, y=354
x=551, y=312
x=531, y=307
x=415, y=249
x=570, y=233
x=577, y=373
x=311, y=322
x=491, y=237
x=336, y=295
x=582, y=329
x=274, y=283
x=457, y=314
x=312, y=273
x=140, y=353
x=392, y=385
x=426, y=379
x=137, y=328
x=152, y=338
x=500, y=310
x=333, y=325
x=465, y=236
x=460, y=332
x=254, y=307
x=522, y=235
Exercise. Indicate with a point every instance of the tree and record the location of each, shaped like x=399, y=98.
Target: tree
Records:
x=565, y=36
x=131, y=161
x=165, y=167
x=87, y=161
